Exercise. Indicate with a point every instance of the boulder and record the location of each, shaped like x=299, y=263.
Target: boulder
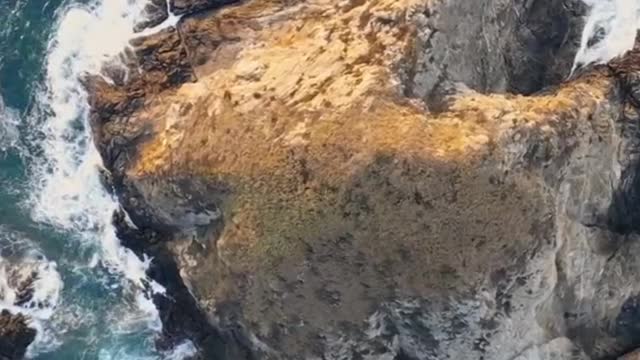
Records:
x=15, y=336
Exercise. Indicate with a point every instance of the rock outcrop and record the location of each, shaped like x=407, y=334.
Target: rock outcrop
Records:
x=381, y=179
x=15, y=336
x=29, y=290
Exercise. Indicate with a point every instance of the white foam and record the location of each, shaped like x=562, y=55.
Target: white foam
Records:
x=46, y=287
x=9, y=134
x=68, y=192
x=171, y=20
x=616, y=22
x=182, y=351
x=23, y=260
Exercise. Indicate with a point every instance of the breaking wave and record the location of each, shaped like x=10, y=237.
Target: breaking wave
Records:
x=66, y=191
x=610, y=31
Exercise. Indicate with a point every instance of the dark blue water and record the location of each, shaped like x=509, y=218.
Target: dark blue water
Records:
x=96, y=312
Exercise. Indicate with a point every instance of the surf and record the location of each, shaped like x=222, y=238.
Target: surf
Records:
x=66, y=188
x=610, y=31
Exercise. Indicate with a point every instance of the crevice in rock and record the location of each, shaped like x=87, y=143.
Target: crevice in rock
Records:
x=606, y=325
x=191, y=7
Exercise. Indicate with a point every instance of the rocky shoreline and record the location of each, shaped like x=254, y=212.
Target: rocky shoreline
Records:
x=379, y=180
x=17, y=330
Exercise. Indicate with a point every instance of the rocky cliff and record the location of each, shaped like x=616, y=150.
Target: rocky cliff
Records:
x=380, y=179
x=19, y=276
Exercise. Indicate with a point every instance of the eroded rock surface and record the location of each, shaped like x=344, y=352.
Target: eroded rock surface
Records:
x=353, y=180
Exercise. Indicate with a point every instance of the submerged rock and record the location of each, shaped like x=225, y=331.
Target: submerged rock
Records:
x=365, y=180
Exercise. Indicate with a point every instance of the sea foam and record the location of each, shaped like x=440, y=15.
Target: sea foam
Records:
x=67, y=189
x=22, y=263
x=610, y=31
x=9, y=134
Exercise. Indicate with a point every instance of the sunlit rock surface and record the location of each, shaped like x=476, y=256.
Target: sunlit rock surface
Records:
x=378, y=179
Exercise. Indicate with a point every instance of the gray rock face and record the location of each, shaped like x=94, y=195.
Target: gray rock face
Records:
x=179, y=204
x=571, y=294
x=155, y=13
x=495, y=46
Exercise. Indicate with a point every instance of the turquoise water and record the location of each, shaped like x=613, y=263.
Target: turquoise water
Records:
x=95, y=311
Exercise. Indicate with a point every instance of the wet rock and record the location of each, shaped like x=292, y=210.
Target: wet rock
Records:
x=155, y=12
x=180, y=7
x=545, y=42
x=15, y=336
x=181, y=317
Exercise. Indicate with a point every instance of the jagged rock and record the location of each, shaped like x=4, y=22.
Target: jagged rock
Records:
x=631, y=356
x=352, y=180
x=155, y=12
x=180, y=7
x=15, y=336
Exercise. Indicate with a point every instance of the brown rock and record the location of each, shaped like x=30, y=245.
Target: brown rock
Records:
x=15, y=336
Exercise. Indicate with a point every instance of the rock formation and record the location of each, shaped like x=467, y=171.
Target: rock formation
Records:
x=21, y=275
x=380, y=179
x=15, y=336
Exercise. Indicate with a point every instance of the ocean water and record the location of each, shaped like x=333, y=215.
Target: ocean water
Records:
x=91, y=298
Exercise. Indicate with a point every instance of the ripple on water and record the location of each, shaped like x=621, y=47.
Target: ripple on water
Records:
x=9, y=134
